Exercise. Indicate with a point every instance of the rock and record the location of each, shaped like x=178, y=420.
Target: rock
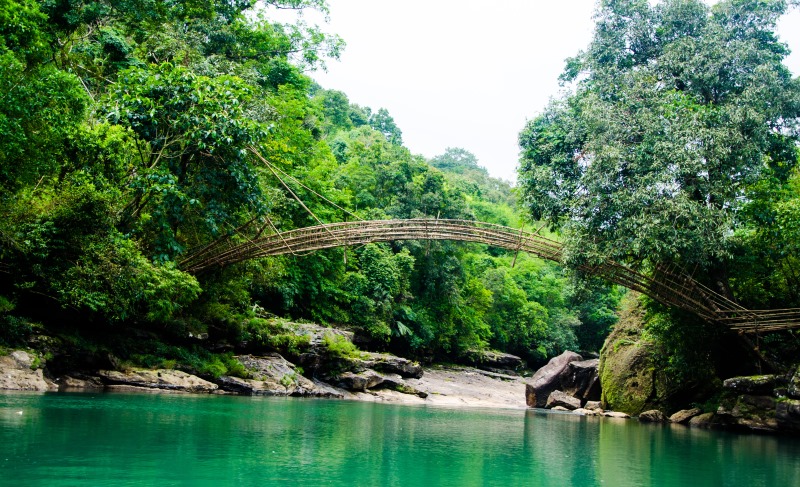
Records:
x=390, y=364
x=273, y=375
x=580, y=379
x=560, y=398
x=685, y=415
x=360, y=381
x=584, y=412
x=321, y=389
x=616, y=414
x=142, y=389
x=246, y=387
x=164, y=379
x=705, y=420
x=317, y=333
x=754, y=413
x=298, y=387
x=627, y=373
x=16, y=373
x=23, y=359
x=495, y=361
x=653, y=416
x=270, y=366
x=787, y=415
x=746, y=405
x=756, y=384
x=67, y=383
x=592, y=405
x=630, y=378
x=546, y=379
x=559, y=408
x=396, y=383
x=794, y=384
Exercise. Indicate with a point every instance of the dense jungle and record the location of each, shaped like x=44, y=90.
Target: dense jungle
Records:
x=134, y=133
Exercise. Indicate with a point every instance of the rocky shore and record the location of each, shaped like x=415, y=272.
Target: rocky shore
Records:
x=757, y=404
x=400, y=381
x=329, y=366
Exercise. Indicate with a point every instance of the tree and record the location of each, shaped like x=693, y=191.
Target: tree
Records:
x=676, y=110
x=384, y=123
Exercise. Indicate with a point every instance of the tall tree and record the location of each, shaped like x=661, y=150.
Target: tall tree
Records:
x=675, y=111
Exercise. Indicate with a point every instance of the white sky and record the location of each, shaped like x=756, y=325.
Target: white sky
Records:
x=465, y=73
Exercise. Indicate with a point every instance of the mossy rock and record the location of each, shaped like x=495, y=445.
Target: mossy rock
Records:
x=633, y=371
x=628, y=375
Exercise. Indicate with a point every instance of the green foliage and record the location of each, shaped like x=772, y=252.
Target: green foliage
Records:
x=339, y=346
x=196, y=173
x=192, y=359
x=128, y=131
x=15, y=330
x=676, y=110
x=275, y=335
x=41, y=109
x=683, y=345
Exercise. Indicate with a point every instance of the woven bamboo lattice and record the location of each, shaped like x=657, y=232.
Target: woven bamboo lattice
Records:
x=667, y=287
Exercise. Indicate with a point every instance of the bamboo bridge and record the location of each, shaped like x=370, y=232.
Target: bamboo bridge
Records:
x=671, y=288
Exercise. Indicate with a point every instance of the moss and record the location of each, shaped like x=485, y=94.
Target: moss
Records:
x=627, y=373
x=628, y=380
x=643, y=367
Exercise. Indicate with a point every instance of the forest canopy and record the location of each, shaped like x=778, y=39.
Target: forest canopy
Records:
x=129, y=132
x=676, y=145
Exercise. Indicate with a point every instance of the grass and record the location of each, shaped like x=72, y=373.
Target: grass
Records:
x=341, y=347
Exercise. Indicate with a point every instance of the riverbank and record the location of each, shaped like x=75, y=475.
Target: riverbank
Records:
x=442, y=385
x=456, y=386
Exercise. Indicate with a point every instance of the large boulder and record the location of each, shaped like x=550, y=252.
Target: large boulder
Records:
x=653, y=416
x=359, y=382
x=750, y=412
x=494, y=361
x=787, y=414
x=70, y=383
x=593, y=405
x=627, y=372
x=18, y=372
x=705, y=420
x=161, y=379
x=754, y=385
x=630, y=377
x=395, y=382
x=547, y=379
x=685, y=415
x=389, y=364
x=581, y=380
x=562, y=399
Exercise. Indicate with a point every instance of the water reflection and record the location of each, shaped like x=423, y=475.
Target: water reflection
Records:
x=199, y=440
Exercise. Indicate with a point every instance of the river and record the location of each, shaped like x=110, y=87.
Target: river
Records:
x=140, y=439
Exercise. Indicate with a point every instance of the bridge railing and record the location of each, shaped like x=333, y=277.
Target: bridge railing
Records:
x=665, y=286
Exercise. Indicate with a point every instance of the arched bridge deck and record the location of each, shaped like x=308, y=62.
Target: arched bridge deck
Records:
x=671, y=289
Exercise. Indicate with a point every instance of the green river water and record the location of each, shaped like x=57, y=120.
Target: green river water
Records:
x=121, y=439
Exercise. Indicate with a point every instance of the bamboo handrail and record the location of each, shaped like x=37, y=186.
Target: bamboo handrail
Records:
x=667, y=287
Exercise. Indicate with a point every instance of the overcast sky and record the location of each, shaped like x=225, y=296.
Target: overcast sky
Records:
x=464, y=73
